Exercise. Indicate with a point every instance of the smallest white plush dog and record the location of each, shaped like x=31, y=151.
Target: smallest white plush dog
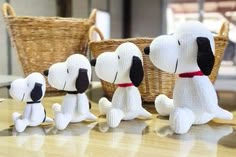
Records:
x=72, y=76
x=30, y=90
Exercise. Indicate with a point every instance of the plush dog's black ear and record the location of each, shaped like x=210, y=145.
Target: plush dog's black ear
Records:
x=136, y=71
x=37, y=92
x=205, y=56
x=82, y=81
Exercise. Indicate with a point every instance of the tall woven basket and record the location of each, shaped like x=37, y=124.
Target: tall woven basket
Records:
x=42, y=41
x=155, y=81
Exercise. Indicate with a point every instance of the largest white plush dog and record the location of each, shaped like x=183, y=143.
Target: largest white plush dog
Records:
x=73, y=76
x=189, y=53
x=124, y=68
x=30, y=90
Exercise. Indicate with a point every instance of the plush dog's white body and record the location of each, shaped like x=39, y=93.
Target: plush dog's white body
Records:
x=194, y=93
x=73, y=76
x=124, y=68
x=34, y=113
x=189, y=53
x=74, y=108
x=126, y=101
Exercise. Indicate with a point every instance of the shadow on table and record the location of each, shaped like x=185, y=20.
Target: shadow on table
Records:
x=229, y=140
x=209, y=135
x=227, y=100
x=136, y=126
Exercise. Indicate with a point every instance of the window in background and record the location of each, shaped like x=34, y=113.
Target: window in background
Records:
x=103, y=23
x=212, y=13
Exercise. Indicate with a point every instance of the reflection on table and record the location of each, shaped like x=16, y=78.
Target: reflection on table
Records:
x=132, y=138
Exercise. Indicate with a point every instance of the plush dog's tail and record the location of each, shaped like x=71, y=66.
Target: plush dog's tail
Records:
x=224, y=114
x=48, y=119
x=164, y=106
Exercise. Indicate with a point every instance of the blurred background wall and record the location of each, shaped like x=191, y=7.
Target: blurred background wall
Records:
x=141, y=15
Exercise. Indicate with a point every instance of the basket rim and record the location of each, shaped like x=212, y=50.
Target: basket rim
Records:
x=44, y=18
x=123, y=40
x=137, y=39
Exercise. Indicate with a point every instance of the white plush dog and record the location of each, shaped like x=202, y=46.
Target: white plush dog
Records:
x=72, y=76
x=189, y=53
x=30, y=90
x=124, y=68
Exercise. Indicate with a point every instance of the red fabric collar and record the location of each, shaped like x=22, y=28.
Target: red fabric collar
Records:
x=125, y=85
x=191, y=74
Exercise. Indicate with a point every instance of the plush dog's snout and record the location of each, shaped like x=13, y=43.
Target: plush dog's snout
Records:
x=147, y=50
x=45, y=73
x=93, y=62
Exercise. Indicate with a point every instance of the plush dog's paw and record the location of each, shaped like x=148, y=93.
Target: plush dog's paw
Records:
x=61, y=121
x=181, y=119
x=164, y=105
x=56, y=107
x=20, y=125
x=104, y=105
x=114, y=116
x=15, y=116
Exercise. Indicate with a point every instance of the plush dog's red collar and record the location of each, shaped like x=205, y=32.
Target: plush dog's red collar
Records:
x=191, y=74
x=125, y=84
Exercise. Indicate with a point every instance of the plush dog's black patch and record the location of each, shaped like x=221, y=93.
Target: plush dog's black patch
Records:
x=205, y=56
x=147, y=50
x=82, y=81
x=45, y=72
x=136, y=71
x=93, y=62
x=36, y=93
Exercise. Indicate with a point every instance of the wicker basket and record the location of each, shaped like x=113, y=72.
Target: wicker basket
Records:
x=155, y=81
x=221, y=41
x=42, y=41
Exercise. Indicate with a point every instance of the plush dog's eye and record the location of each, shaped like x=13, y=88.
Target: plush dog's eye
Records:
x=178, y=42
x=67, y=70
x=118, y=57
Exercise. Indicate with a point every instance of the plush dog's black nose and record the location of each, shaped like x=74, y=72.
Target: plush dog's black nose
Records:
x=93, y=62
x=147, y=50
x=45, y=72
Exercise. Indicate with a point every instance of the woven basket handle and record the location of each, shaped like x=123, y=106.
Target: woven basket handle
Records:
x=92, y=15
x=95, y=29
x=8, y=10
x=224, y=30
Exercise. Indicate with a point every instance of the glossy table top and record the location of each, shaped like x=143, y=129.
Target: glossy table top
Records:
x=132, y=138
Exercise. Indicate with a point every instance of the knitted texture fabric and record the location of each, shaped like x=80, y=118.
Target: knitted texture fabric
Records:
x=74, y=76
x=122, y=67
x=189, y=50
x=30, y=90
